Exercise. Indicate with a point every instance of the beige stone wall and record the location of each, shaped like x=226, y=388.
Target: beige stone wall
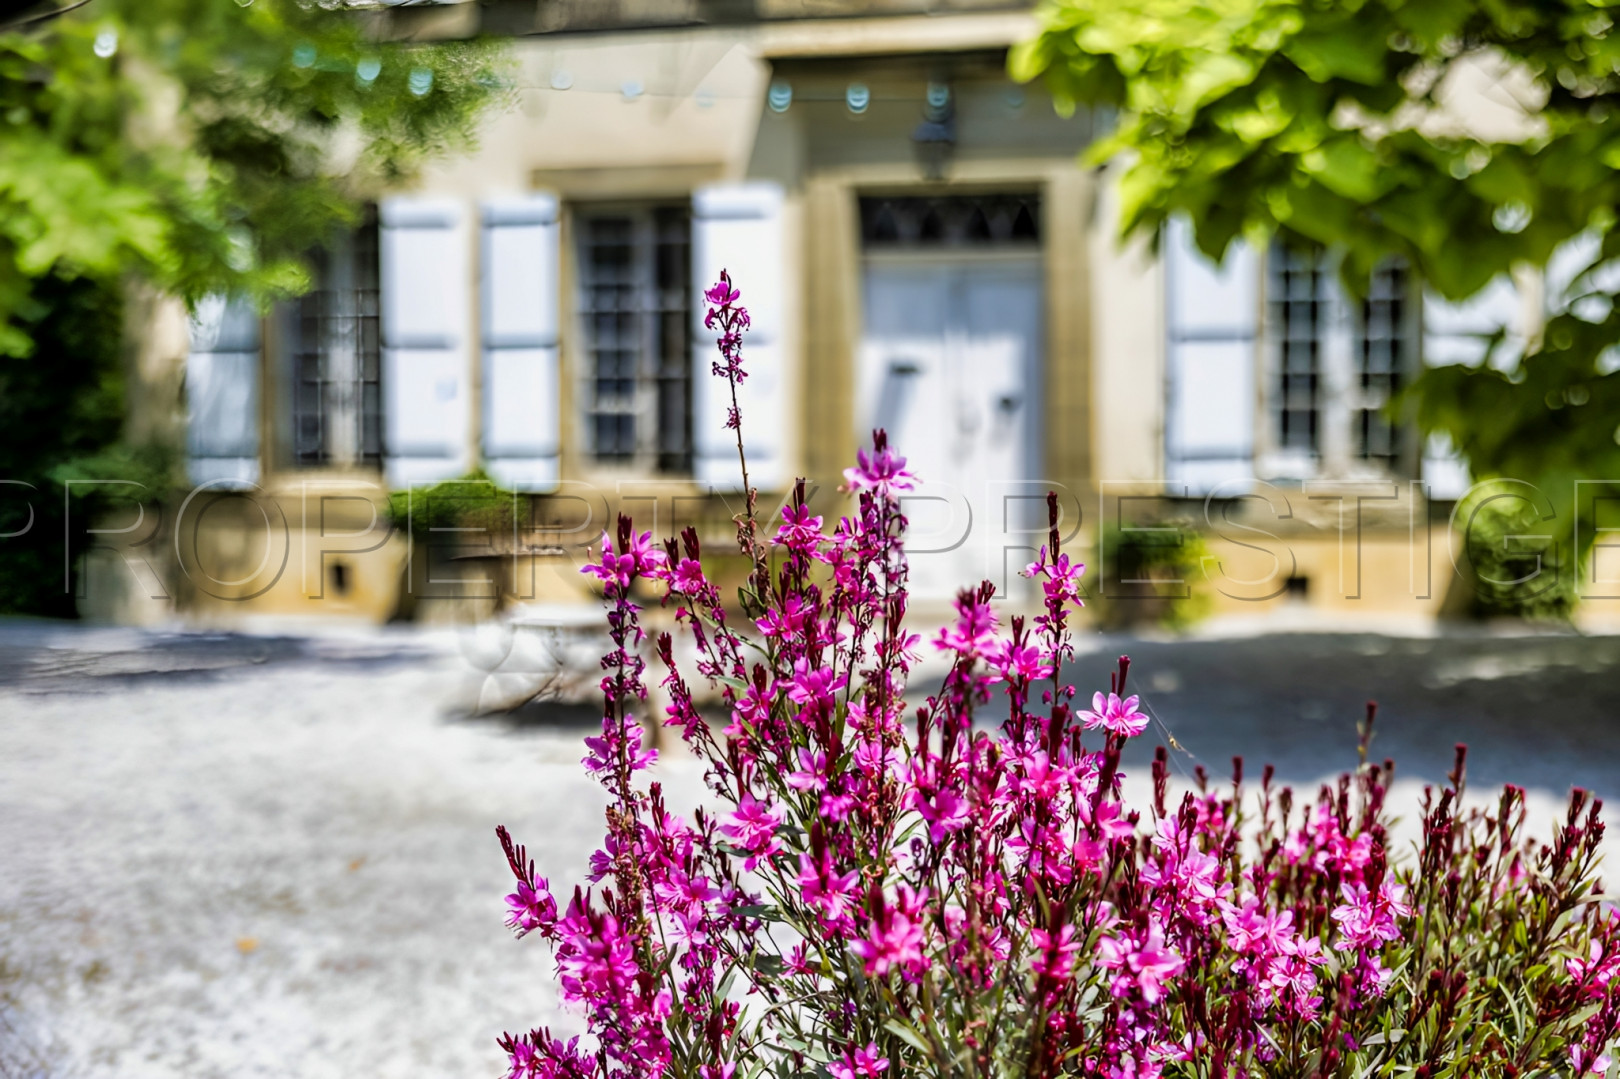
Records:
x=693, y=102
x=652, y=114
x=1380, y=574
x=156, y=340
x=307, y=548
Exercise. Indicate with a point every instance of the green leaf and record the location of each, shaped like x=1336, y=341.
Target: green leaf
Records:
x=1339, y=53
x=908, y=1034
x=1209, y=77
x=1027, y=59
x=1348, y=167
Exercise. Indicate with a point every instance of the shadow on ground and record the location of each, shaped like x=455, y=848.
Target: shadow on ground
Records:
x=43, y=657
x=1536, y=711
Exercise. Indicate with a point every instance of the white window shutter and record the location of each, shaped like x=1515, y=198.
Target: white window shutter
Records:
x=521, y=377
x=1459, y=332
x=424, y=337
x=738, y=228
x=222, y=393
x=1212, y=315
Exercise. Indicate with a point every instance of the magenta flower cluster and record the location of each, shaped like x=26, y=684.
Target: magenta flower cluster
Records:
x=731, y=319
x=953, y=883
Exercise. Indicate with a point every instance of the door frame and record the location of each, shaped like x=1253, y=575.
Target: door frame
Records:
x=833, y=264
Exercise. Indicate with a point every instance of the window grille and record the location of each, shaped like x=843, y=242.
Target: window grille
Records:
x=337, y=356
x=951, y=221
x=1300, y=302
x=1336, y=364
x=1383, y=355
x=635, y=310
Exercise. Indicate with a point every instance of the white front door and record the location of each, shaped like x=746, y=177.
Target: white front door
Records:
x=948, y=367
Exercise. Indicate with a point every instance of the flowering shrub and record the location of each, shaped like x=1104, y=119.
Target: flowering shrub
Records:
x=956, y=886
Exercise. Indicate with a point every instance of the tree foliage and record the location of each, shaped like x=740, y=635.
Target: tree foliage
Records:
x=200, y=146
x=207, y=146
x=64, y=404
x=1336, y=124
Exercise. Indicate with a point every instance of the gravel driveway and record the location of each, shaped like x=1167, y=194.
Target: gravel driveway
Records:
x=250, y=856
x=266, y=857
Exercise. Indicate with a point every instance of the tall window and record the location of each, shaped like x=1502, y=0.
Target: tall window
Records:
x=636, y=311
x=1300, y=303
x=1334, y=365
x=336, y=356
x=1384, y=355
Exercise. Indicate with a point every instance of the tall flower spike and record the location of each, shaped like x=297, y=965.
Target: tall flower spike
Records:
x=731, y=319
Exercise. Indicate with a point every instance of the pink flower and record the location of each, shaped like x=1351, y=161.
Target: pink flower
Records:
x=1294, y=974
x=895, y=937
x=688, y=577
x=646, y=552
x=531, y=905
x=882, y=471
x=846, y=786
x=1017, y=663
x=837, y=807
x=731, y=319
x=800, y=531
x=682, y=894
x=595, y=958
x=859, y=1064
x=753, y=711
x=789, y=619
x=1369, y=921
x=937, y=800
x=611, y=568
x=537, y=1055
x=1054, y=952
x=1588, y=1061
x=522, y=1058
x=874, y=759
x=1144, y=963
x=641, y=557
x=1597, y=970
x=834, y=896
x=973, y=633
x=1108, y=819
x=722, y=293
x=1060, y=571
x=945, y=811
x=1189, y=881
x=812, y=771
x=617, y=736
x=814, y=685
x=603, y=857
x=752, y=827
x=1119, y=716
x=800, y=961
x=532, y=908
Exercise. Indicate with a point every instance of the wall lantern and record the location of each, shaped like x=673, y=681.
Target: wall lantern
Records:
x=935, y=138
